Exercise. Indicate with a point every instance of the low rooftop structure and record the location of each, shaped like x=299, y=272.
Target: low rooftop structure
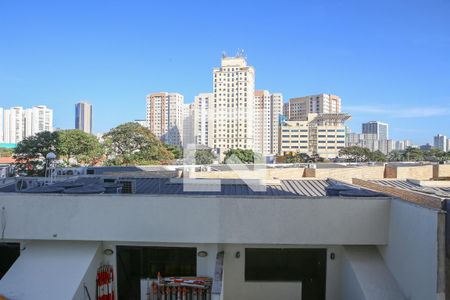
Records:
x=297, y=239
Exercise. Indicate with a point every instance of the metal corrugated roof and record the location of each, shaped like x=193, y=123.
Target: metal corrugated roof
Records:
x=309, y=188
x=407, y=185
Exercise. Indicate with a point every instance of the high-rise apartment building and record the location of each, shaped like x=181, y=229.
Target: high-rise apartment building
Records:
x=440, y=142
x=165, y=117
x=380, y=129
x=321, y=134
x=268, y=108
x=83, y=116
x=17, y=123
x=37, y=119
x=299, y=108
x=232, y=110
x=188, y=124
x=201, y=117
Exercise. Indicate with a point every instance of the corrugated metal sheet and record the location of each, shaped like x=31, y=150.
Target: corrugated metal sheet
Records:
x=309, y=188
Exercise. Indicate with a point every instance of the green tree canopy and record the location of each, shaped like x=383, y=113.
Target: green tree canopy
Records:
x=30, y=153
x=133, y=144
x=297, y=158
x=355, y=154
x=6, y=152
x=80, y=146
x=377, y=156
x=204, y=156
x=239, y=156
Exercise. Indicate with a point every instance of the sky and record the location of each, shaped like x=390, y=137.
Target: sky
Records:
x=387, y=60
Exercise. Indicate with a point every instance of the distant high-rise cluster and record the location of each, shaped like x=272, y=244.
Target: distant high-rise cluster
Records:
x=83, y=117
x=233, y=116
x=441, y=142
x=17, y=123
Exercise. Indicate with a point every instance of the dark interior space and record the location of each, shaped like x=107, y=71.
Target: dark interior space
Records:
x=9, y=252
x=134, y=263
x=307, y=266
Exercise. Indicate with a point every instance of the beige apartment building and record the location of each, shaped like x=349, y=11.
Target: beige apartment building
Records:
x=298, y=108
x=322, y=134
x=268, y=108
x=232, y=111
x=201, y=117
x=164, y=116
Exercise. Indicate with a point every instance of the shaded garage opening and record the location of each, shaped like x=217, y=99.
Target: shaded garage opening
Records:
x=307, y=266
x=9, y=252
x=135, y=263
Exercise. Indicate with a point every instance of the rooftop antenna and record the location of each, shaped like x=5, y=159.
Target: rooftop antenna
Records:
x=241, y=53
x=224, y=54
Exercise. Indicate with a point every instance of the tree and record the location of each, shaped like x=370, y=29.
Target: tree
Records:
x=133, y=144
x=6, y=152
x=177, y=151
x=239, y=156
x=413, y=154
x=204, y=157
x=30, y=153
x=396, y=155
x=377, y=156
x=80, y=146
x=297, y=158
x=355, y=154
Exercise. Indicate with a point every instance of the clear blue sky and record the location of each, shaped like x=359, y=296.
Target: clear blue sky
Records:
x=388, y=60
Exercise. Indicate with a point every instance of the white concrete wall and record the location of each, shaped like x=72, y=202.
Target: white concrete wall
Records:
x=90, y=278
x=182, y=219
x=48, y=270
x=411, y=254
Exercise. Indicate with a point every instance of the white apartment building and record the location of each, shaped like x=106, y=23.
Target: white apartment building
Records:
x=232, y=111
x=188, y=124
x=440, y=142
x=83, y=116
x=322, y=134
x=268, y=108
x=299, y=108
x=373, y=143
x=402, y=145
x=201, y=118
x=37, y=119
x=165, y=117
x=18, y=123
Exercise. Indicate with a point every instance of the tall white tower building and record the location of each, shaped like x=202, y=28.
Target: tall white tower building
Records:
x=299, y=108
x=232, y=110
x=165, y=117
x=201, y=117
x=268, y=108
x=440, y=142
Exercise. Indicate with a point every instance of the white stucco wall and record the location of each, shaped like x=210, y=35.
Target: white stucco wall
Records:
x=90, y=277
x=48, y=270
x=411, y=254
x=186, y=219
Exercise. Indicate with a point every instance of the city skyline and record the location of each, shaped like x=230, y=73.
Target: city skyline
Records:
x=394, y=70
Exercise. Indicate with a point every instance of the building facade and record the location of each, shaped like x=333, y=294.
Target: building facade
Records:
x=299, y=108
x=201, y=118
x=268, y=108
x=165, y=117
x=319, y=134
x=381, y=130
x=18, y=123
x=188, y=124
x=232, y=110
x=440, y=142
x=83, y=117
